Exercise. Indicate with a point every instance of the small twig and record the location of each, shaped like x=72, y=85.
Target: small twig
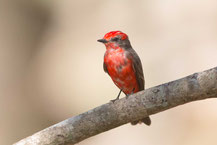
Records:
x=195, y=87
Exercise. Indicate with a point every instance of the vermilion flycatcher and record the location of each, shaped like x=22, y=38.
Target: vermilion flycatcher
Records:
x=123, y=65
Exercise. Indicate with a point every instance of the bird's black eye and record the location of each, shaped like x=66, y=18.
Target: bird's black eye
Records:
x=115, y=39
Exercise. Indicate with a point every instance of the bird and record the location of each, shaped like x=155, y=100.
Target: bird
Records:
x=123, y=65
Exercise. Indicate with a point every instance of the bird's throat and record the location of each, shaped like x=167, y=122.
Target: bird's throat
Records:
x=111, y=46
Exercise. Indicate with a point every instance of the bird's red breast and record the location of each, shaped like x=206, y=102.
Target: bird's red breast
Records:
x=120, y=68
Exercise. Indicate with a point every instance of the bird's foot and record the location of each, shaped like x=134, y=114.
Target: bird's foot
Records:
x=117, y=96
x=114, y=100
x=127, y=96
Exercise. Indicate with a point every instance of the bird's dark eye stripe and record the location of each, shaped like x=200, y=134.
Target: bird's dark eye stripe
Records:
x=115, y=39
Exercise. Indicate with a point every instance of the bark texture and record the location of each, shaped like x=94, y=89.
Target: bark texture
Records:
x=195, y=87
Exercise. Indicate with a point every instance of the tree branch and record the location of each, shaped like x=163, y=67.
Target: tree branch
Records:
x=195, y=87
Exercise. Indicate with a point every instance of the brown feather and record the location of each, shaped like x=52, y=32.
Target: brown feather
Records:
x=137, y=66
x=105, y=67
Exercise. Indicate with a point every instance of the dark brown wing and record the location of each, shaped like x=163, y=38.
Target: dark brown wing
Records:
x=137, y=66
x=105, y=67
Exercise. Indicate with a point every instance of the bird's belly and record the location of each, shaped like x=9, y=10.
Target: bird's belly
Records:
x=122, y=73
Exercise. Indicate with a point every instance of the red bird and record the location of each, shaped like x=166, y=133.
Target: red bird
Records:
x=123, y=65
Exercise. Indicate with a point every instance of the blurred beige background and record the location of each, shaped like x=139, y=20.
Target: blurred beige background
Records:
x=51, y=64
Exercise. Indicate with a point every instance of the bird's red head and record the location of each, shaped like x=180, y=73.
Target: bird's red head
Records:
x=114, y=34
x=115, y=39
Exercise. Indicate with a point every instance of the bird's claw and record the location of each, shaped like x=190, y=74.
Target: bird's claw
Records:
x=113, y=101
x=127, y=96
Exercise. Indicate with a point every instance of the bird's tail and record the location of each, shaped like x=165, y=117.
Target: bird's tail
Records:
x=145, y=120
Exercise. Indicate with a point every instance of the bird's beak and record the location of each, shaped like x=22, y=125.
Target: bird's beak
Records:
x=102, y=40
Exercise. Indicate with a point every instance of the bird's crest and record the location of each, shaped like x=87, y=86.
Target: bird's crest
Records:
x=113, y=34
